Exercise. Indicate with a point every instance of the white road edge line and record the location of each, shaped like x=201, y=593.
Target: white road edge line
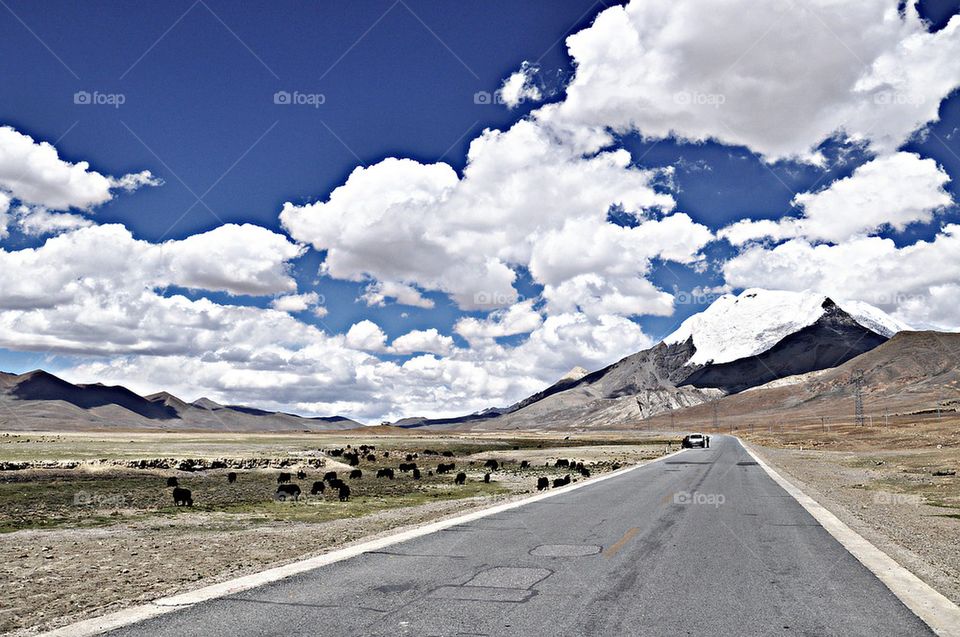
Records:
x=936, y=611
x=164, y=605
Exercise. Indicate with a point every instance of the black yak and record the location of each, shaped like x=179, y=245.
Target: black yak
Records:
x=288, y=490
x=182, y=497
x=283, y=477
x=318, y=488
x=461, y=478
x=232, y=477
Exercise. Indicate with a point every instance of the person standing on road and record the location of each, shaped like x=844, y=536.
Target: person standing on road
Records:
x=707, y=439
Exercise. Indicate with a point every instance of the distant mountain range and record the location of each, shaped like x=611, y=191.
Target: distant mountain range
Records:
x=39, y=400
x=752, y=350
x=737, y=343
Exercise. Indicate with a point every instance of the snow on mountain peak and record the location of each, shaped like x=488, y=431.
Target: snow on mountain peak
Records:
x=575, y=374
x=874, y=318
x=735, y=327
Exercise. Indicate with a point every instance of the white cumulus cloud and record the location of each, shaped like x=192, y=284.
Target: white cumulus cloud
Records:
x=33, y=173
x=521, y=87
x=295, y=302
x=402, y=223
x=367, y=336
x=892, y=191
x=778, y=77
x=429, y=340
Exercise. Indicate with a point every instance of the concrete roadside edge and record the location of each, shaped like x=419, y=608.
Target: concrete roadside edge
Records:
x=938, y=612
x=161, y=606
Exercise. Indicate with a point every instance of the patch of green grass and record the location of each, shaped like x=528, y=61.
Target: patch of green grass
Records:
x=77, y=499
x=99, y=495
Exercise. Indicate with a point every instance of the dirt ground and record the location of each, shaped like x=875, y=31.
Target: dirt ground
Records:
x=882, y=483
x=86, y=540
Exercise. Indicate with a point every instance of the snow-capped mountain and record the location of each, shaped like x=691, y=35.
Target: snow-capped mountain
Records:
x=739, y=342
x=748, y=324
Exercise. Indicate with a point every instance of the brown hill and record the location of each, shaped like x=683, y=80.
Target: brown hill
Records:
x=40, y=401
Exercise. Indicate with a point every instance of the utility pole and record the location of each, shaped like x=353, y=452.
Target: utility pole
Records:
x=857, y=380
x=823, y=423
x=716, y=416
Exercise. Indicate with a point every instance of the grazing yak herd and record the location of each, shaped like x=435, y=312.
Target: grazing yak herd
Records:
x=288, y=490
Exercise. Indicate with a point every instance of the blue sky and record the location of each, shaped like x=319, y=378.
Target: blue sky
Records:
x=199, y=108
x=401, y=79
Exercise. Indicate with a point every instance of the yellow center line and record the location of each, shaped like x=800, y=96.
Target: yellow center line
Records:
x=619, y=543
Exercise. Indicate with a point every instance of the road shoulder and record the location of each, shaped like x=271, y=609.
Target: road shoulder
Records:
x=936, y=610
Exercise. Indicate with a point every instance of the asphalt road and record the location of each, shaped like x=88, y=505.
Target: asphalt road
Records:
x=703, y=543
